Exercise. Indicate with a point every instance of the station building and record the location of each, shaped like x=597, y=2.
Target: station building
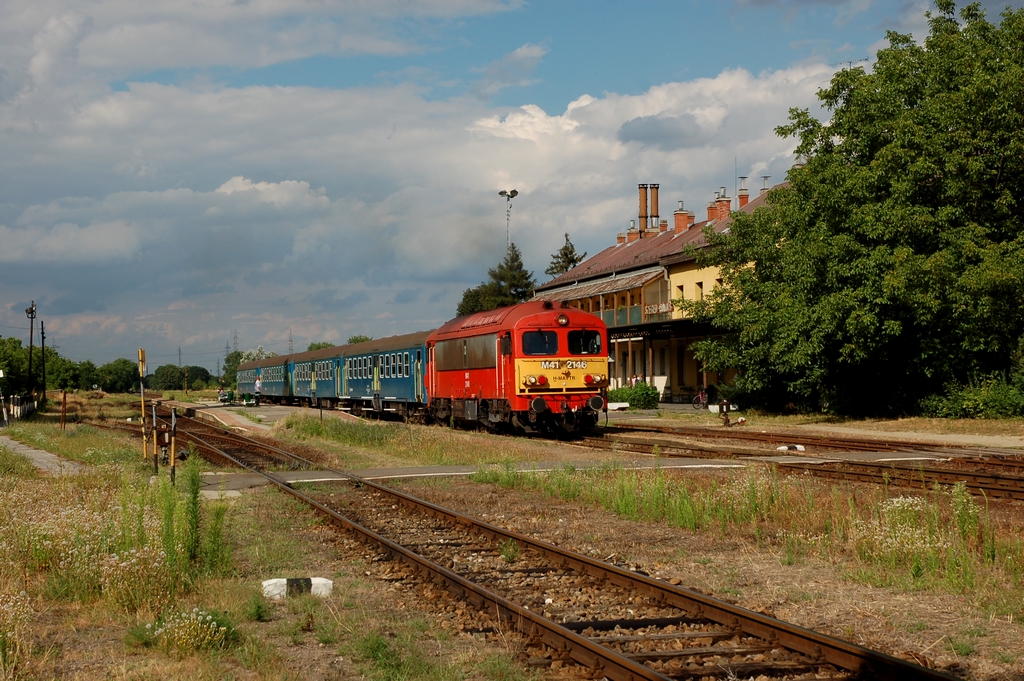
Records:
x=631, y=286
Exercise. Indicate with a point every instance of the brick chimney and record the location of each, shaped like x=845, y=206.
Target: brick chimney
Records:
x=712, y=211
x=724, y=206
x=654, y=206
x=620, y=238
x=680, y=217
x=642, y=223
x=663, y=226
x=632, y=235
x=743, y=194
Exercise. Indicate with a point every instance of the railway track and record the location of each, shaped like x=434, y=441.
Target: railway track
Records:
x=571, y=608
x=972, y=466
x=982, y=483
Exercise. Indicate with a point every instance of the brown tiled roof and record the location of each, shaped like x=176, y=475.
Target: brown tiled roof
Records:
x=645, y=252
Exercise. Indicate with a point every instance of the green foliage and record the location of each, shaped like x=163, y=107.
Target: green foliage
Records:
x=641, y=396
x=258, y=353
x=167, y=377
x=197, y=375
x=991, y=397
x=319, y=346
x=119, y=376
x=510, y=550
x=510, y=283
x=193, y=483
x=358, y=338
x=892, y=264
x=231, y=362
x=257, y=609
x=564, y=259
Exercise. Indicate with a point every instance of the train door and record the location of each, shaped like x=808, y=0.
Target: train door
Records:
x=343, y=370
x=376, y=372
x=418, y=373
x=506, y=370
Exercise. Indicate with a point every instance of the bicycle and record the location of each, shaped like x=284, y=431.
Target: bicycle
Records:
x=700, y=400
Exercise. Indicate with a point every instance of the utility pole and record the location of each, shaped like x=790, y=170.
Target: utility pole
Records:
x=509, y=195
x=290, y=348
x=142, y=394
x=179, y=355
x=31, y=314
x=42, y=340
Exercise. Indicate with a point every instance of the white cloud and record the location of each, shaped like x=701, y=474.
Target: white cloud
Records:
x=363, y=210
x=515, y=69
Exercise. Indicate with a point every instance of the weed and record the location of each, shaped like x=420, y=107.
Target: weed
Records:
x=510, y=550
x=257, y=609
x=15, y=611
x=15, y=465
x=963, y=647
x=188, y=632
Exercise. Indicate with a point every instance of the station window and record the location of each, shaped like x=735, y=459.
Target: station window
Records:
x=540, y=343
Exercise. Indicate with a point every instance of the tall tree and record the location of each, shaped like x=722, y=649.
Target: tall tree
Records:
x=319, y=346
x=564, y=259
x=119, y=376
x=510, y=283
x=358, y=338
x=231, y=362
x=893, y=262
x=168, y=377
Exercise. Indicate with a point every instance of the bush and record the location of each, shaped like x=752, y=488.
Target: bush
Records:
x=640, y=396
x=991, y=397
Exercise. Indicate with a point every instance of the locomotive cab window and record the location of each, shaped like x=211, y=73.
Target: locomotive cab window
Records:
x=585, y=343
x=540, y=343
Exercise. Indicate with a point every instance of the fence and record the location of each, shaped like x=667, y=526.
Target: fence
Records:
x=15, y=408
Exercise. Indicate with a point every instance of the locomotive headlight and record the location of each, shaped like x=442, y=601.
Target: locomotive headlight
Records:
x=531, y=380
x=562, y=320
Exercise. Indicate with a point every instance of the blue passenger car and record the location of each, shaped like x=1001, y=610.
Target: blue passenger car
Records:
x=314, y=376
x=385, y=375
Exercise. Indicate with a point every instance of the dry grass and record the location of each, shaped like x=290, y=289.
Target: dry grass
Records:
x=366, y=444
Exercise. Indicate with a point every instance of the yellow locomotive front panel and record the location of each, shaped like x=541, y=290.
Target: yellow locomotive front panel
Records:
x=554, y=375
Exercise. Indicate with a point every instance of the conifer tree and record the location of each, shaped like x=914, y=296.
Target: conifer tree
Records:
x=564, y=259
x=510, y=283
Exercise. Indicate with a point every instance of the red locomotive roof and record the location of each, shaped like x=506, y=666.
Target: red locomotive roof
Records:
x=502, y=318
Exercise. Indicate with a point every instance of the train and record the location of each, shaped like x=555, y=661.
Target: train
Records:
x=535, y=367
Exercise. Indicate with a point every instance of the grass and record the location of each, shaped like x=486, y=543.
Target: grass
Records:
x=81, y=443
x=371, y=443
x=917, y=424
x=14, y=465
x=943, y=540
x=255, y=418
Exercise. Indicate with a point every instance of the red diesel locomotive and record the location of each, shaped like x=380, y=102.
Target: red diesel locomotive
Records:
x=534, y=367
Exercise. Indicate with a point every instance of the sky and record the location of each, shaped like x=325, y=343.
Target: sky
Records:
x=179, y=174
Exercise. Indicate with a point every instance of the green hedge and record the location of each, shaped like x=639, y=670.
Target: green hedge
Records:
x=989, y=398
x=640, y=396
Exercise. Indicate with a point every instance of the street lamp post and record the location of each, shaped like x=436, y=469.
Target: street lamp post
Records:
x=31, y=314
x=509, y=195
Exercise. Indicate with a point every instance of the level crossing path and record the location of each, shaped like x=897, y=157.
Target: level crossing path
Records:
x=44, y=461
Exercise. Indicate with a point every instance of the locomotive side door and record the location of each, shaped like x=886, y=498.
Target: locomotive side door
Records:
x=506, y=372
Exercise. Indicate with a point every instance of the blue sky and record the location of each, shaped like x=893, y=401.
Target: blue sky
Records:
x=175, y=173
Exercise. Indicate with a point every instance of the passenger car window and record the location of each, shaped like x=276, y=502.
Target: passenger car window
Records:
x=584, y=342
x=540, y=343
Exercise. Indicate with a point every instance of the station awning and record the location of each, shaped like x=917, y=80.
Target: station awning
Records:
x=588, y=289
